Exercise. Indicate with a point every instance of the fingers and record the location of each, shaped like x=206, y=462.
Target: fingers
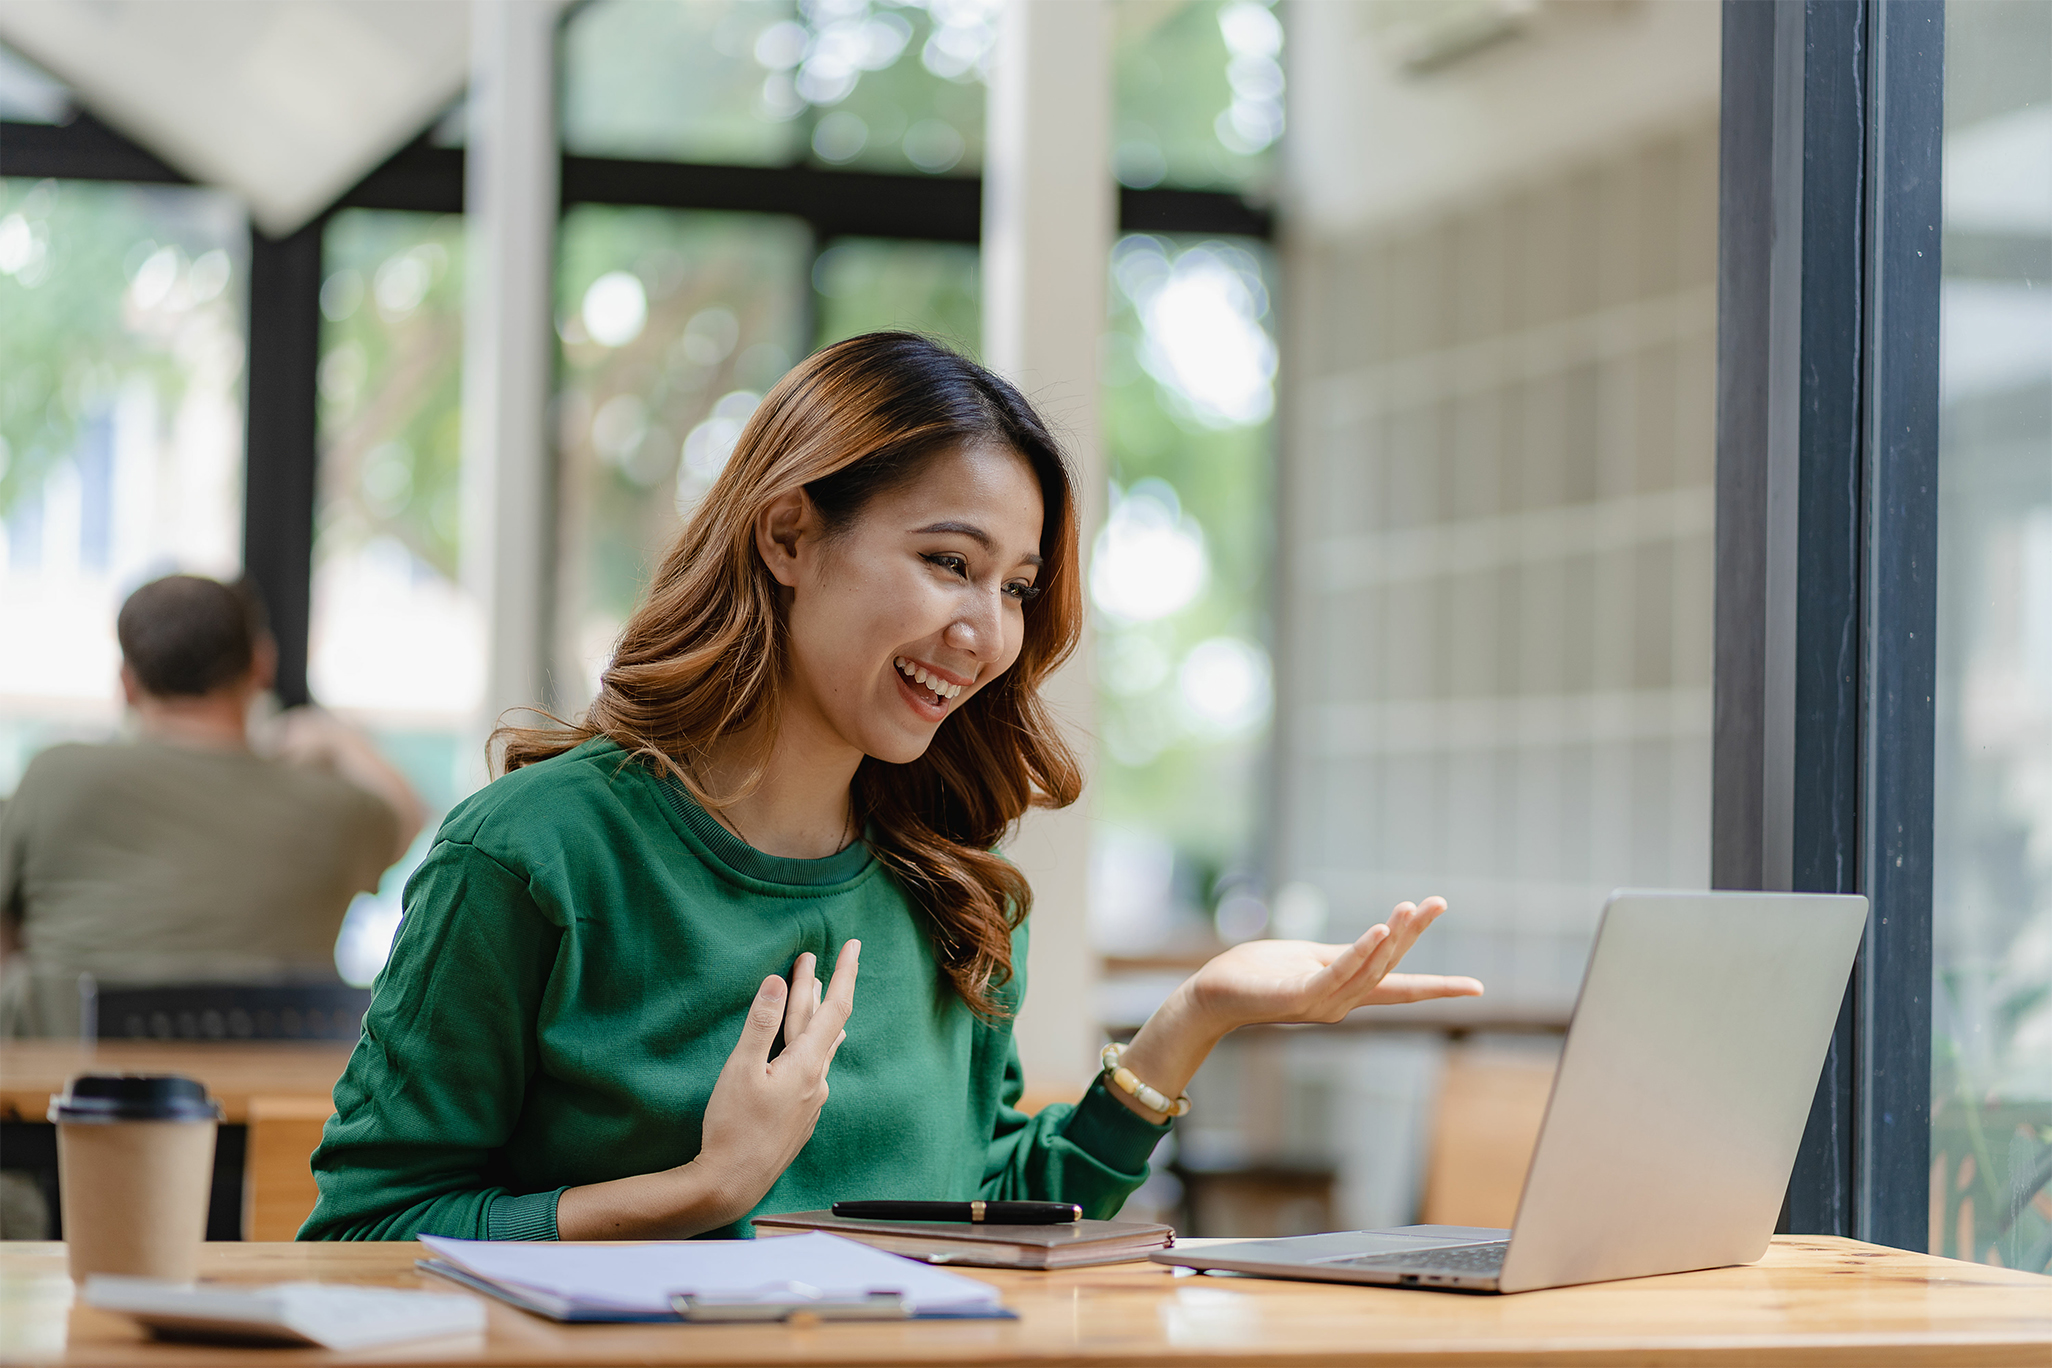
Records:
x=1401, y=934
x=842, y=988
x=1350, y=961
x=1353, y=976
x=1363, y=962
x=1423, y=987
x=823, y=1033
x=1407, y=921
x=804, y=996
x=765, y=1014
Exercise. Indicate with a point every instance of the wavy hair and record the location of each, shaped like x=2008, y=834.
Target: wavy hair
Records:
x=704, y=655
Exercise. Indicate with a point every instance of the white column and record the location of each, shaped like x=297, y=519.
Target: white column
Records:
x=510, y=203
x=1048, y=220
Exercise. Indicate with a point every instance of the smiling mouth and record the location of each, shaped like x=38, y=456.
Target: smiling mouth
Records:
x=931, y=688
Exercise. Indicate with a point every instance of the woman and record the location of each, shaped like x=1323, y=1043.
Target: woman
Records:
x=812, y=736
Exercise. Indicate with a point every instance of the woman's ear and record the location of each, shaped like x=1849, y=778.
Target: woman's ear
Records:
x=781, y=533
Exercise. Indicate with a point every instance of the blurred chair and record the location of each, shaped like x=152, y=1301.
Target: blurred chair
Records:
x=279, y=1192
x=1491, y=1102
x=1257, y=1201
x=223, y=1011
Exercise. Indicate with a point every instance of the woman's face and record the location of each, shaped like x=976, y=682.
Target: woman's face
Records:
x=898, y=621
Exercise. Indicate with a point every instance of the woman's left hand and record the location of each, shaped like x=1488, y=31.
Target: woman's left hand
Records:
x=1276, y=980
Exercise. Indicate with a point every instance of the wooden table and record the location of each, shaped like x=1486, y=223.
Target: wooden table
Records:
x=280, y=1090
x=1811, y=1301
x=234, y=1072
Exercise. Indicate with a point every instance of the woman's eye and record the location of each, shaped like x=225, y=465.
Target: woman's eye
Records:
x=952, y=563
x=1022, y=591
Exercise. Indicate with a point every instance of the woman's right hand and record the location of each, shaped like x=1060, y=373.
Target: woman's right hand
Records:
x=763, y=1110
x=760, y=1115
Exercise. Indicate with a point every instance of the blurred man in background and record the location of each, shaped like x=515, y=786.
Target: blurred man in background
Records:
x=184, y=856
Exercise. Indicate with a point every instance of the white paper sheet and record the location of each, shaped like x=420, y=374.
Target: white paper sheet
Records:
x=643, y=1277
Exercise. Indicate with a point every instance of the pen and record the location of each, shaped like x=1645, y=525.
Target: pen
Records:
x=986, y=1213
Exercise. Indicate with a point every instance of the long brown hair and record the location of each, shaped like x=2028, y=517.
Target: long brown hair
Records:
x=703, y=656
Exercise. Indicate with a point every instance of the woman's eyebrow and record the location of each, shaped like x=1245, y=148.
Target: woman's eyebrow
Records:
x=969, y=530
x=977, y=535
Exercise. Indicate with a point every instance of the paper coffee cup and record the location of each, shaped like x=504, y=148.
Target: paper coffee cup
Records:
x=135, y=1165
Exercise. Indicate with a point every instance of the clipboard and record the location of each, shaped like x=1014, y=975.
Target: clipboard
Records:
x=791, y=1303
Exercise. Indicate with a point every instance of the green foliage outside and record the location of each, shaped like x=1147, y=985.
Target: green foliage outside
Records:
x=660, y=80
x=391, y=383
x=1170, y=67
x=1991, y=1170
x=884, y=85
x=641, y=421
x=75, y=329
x=1159, y=770
x=700, y=82
x=869, y=284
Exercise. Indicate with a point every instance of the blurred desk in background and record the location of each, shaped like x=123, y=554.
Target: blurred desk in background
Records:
x=1812, y=1300
x=275, y=1096
x=234, y=1072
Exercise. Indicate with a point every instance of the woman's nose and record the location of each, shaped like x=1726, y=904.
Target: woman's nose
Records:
x=976, y=628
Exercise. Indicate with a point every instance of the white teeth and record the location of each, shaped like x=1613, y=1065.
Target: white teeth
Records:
x=920, y=674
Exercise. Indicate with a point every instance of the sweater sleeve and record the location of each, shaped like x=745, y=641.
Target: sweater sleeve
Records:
x=435, y=1086
x=1093, y=1152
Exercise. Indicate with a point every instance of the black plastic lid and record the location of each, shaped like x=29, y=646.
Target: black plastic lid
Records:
x=133, y=1097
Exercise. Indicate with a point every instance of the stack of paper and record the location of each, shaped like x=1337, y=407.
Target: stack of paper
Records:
x=638, y=1281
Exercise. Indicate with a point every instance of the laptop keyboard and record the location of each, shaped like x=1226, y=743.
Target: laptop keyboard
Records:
x=1482, y=1258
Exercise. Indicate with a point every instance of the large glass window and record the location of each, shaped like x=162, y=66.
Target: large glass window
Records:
x=1991, y=1086
x=865, y=284
x=1199, y=94
x=1180, y=574
x=1179, y=582
x=393, y=633
x=397, y=643
x=889, y=85
x=673, y=325
x=120, y=431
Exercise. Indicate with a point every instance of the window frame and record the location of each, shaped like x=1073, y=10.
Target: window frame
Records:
x=1826, y=616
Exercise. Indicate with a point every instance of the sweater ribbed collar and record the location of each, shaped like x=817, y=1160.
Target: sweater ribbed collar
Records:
x=744, y=859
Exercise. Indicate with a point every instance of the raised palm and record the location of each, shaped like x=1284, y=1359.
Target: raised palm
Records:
x=1278, y=980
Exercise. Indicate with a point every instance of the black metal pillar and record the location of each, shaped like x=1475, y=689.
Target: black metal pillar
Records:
x=1826, y=449
x=1905, y=140
x=281, y=436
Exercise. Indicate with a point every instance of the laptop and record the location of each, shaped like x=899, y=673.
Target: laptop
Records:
x=1672, y=1127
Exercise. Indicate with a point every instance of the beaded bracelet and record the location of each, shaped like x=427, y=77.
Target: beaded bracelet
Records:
x=1151, y=1098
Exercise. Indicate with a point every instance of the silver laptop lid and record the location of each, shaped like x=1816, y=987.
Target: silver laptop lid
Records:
x=1684, y=1085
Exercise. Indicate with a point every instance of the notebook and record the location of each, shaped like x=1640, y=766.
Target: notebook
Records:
x=330, y=1315
x=1068, y=1245
x=651, y=1282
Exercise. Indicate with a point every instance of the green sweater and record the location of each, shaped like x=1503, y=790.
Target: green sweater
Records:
x=578, y=952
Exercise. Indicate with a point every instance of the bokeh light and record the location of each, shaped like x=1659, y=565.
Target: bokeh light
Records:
x=1148, y=561
x=1224, y=686
x=615, y=308
x=707, y=446
x=1205, y=341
